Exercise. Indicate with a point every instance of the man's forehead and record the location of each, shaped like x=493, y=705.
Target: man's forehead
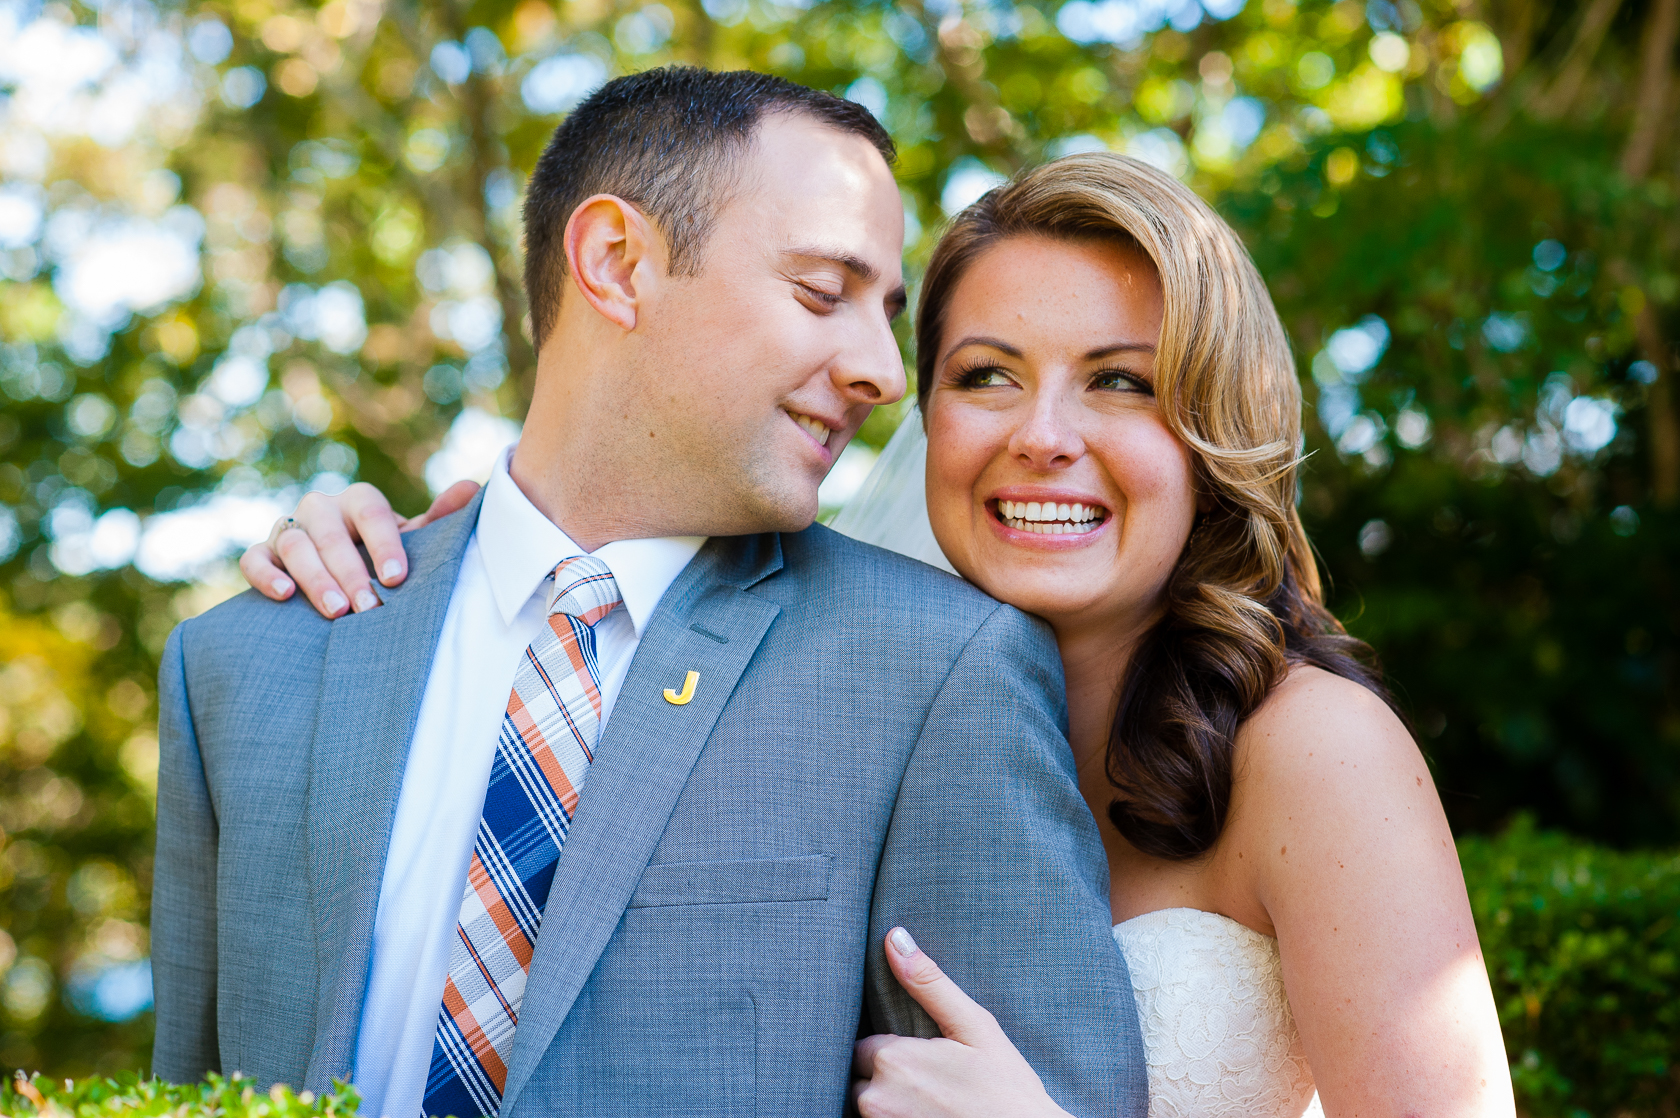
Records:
x=802, y=159
x=779, y=130
x=810, y=193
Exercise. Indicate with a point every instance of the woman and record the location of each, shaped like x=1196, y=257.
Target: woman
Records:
x=1112, y=420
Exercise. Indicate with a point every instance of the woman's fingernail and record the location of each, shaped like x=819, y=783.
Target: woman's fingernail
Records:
x=334, y=601
x=365, y=601
x=902, y=943
x=392, y=569
x=281, y=587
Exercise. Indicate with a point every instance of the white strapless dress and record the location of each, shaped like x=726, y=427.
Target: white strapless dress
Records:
x=1217, y=1032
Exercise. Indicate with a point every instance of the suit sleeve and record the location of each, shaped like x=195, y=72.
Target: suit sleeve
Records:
x=183, y=888
x=994, y=864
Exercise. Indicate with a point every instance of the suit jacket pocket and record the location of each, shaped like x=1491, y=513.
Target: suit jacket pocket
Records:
x=743, y=881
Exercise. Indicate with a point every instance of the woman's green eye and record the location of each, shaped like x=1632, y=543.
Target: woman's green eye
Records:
x=1122, y=382
x=983, y=376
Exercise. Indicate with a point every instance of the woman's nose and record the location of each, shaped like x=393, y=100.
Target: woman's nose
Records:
x=1046, y=438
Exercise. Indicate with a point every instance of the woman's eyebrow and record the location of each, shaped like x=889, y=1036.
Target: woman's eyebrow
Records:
x=1120, y=347
x=990, y=343
x=1092, y=355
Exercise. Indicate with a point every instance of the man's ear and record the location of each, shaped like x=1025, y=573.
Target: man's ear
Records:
x=614, y=254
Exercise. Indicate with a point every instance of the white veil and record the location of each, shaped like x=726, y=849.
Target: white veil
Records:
x=890, y=509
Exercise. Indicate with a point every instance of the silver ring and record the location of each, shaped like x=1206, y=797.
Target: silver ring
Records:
x=281, y=526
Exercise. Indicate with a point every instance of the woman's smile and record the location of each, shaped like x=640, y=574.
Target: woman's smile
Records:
x=1033, y=518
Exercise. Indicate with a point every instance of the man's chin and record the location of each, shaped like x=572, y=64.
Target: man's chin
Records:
x=792, y=519
x=781, y=510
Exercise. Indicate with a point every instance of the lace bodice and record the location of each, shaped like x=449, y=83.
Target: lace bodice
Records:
x=1217, y=1031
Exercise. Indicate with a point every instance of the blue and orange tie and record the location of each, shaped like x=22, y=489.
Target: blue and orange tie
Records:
x=543, y=754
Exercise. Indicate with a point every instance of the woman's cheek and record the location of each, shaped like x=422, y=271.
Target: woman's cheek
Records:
x=950, y=483
x=1152, y=470
x=1152, y=467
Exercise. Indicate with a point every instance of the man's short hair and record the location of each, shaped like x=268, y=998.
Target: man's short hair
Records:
x=670, y=142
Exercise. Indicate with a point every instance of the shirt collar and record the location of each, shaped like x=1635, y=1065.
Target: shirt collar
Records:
x=521, y=547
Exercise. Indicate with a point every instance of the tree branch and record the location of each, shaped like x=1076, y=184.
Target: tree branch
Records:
x=1655, y=68
x=522, y=360
x=1659, y=406
x=1650, y=124
x=1515, y=29
x=1560, y=96
x=957, y=46
x=474, y=97
x=702, y=38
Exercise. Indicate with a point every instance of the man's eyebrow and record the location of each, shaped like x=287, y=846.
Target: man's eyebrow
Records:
x=853, y=263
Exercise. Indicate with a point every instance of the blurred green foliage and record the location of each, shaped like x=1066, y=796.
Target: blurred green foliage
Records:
x=131, y=1095
x=249, y=246
x=1583, y=947
x=1519, y=586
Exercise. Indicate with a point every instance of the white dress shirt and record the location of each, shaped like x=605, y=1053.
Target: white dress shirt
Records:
x=499, y=603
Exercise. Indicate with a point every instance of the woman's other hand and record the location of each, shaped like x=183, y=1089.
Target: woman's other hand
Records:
x=319, y=552
x=971, y=1071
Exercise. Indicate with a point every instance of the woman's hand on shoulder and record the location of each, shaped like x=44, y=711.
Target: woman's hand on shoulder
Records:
x=318, y=551
x=1349, y=852
x=971, y=1071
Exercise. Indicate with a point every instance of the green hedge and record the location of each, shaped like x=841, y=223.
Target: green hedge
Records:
x=1582, y=945
x=132, y=1097
x=1583, y=948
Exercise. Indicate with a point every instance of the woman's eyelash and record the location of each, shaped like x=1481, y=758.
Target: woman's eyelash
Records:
x=1136, y=381
x=970, y=374
x=826, y=298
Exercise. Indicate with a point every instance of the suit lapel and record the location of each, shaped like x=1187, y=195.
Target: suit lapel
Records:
x=372, y=683
x=708, y=623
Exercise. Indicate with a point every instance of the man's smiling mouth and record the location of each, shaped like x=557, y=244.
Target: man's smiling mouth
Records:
x=811, y=427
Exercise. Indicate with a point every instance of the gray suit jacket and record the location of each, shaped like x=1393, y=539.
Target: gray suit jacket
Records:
x=871, y=743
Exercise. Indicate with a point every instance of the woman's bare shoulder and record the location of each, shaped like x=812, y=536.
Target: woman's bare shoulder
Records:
x=1324, y=761
x=1331, y=799
x=1315, y=721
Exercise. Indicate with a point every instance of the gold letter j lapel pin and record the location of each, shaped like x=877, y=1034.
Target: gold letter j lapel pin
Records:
x=677, y=700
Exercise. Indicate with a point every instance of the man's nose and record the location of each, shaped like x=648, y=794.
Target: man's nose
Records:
x=1047, y=439
x=871, y=371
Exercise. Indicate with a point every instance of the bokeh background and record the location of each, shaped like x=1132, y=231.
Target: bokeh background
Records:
x=252, y=247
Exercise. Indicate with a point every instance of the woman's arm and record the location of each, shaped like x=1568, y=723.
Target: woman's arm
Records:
x=319, y=552
x=1354, y=865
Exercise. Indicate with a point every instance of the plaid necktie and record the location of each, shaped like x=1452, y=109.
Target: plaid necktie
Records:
x=543, y=753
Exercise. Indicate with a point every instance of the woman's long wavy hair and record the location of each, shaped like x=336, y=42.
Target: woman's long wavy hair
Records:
x=1244, y=601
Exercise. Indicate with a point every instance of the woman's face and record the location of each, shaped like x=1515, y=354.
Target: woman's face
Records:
x=1053, y=483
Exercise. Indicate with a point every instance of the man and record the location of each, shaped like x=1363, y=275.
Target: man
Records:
x=628, y=698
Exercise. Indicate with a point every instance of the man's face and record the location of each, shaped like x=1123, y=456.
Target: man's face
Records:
x=756, y=372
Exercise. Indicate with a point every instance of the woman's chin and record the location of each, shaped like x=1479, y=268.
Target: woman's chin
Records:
x=1053, y=590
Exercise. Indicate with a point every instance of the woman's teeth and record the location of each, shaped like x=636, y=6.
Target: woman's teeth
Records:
x=812, y=427
x=1047, y=518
